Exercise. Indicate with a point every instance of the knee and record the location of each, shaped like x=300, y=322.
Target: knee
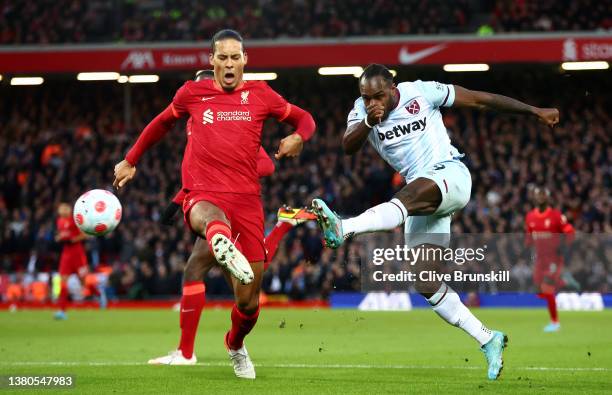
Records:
x=407, y=196
x=248, y=306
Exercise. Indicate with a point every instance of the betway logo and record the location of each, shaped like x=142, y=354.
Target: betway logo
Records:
x=402, y=130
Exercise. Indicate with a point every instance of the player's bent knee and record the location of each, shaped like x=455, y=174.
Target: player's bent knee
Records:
x=249, y=307
x=420, y=197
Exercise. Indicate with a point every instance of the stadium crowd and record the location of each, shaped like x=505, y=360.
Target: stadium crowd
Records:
x=67, y=21
x=54, y=147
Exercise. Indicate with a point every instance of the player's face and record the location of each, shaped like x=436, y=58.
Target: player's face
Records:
x=63, y=210
x=228, y=62
x=376, y=90
x=540, y=197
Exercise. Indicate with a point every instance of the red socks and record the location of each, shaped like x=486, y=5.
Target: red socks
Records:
x=241, y=326
x=62, y=299
x=215, y=227
x=192, y=304
x=273, y=239
x=552, y=305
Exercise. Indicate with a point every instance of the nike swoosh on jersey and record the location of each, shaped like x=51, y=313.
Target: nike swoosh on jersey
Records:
x=207, y=98
x=407, y=57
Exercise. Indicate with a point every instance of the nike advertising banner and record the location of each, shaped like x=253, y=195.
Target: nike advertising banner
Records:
x=393, y=51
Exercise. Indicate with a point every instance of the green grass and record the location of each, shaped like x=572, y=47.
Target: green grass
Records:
x=345, y=351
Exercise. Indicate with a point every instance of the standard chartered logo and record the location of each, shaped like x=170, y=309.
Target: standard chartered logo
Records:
x=235, y=115
x=208, y=116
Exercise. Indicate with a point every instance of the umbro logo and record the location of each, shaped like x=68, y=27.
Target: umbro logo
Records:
x=207, y=116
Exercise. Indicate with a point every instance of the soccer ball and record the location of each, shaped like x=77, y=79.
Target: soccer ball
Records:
x=97, y=212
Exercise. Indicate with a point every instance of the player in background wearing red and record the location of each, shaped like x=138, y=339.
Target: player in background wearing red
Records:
x=219, y=176
x=545, y=226
x=73, y=258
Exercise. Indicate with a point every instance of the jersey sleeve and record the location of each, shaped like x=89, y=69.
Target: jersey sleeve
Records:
x=357, y=114
x=437, y=93
x=278, y=107
x=179, y=102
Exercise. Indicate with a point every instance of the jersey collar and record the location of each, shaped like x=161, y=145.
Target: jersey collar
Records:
x=542, y=214
x=220, y=89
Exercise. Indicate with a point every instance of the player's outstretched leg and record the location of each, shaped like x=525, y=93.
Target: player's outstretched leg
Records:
x=192, y=303
x=62, y=300
x=208, y=221
x=287, y=218
x=420, y=197
x=244, y=317
x=447, y=304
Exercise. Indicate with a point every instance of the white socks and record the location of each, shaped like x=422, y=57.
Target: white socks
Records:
x=385, y=216
x=446, y=304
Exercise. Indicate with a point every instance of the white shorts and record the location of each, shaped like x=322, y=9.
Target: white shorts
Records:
x=455, y=182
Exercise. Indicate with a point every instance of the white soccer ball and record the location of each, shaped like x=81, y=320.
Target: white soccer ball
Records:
x=97, y=212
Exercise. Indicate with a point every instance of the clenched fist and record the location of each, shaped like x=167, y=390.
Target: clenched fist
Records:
x=124, y=172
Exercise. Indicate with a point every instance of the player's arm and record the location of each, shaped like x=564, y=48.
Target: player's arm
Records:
x=301, y=120
x=80, y=237
x=152, y=133
x=304, y=125
x=265, y=166
x=491, y=101
x=567, y=229
x=357, y=129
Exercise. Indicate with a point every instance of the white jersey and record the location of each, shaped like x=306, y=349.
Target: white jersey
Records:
x=413, y=137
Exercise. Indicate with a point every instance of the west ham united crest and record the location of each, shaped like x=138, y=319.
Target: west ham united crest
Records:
x=413, y=107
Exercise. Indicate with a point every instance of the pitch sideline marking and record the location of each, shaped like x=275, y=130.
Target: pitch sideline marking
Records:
x=301, y=366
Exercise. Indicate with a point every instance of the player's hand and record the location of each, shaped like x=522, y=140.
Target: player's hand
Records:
x=290, y=146
x=375, y=111
x=124, y=172
x=548, y=116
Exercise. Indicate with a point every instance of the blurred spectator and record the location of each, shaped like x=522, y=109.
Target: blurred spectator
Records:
x=505, y=155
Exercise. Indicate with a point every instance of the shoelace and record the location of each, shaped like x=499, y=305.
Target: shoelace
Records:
x=241, y=359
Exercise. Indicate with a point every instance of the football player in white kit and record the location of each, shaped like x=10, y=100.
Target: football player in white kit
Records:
x=404, y=124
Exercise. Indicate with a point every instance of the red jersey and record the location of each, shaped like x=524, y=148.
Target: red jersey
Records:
x=543, y=231
x=224, y=133
x=265, y=167
x=68, y=229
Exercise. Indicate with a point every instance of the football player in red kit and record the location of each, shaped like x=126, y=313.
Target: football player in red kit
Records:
x=219, y=175
x=73, y=259
x=547, y=229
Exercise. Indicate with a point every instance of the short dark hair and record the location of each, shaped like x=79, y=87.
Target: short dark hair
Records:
x=204, y=73
x=374, y=70
x=538, y=188
x=224, y=35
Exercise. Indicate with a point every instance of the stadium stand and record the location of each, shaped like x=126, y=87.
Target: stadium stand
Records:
x=65, y=21
x=53, y=147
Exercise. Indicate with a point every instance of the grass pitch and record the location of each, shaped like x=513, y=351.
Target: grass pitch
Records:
x=310, y=351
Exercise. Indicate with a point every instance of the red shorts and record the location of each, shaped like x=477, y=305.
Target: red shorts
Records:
x=73, y=260
x=245, y=214
x=548, y=272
